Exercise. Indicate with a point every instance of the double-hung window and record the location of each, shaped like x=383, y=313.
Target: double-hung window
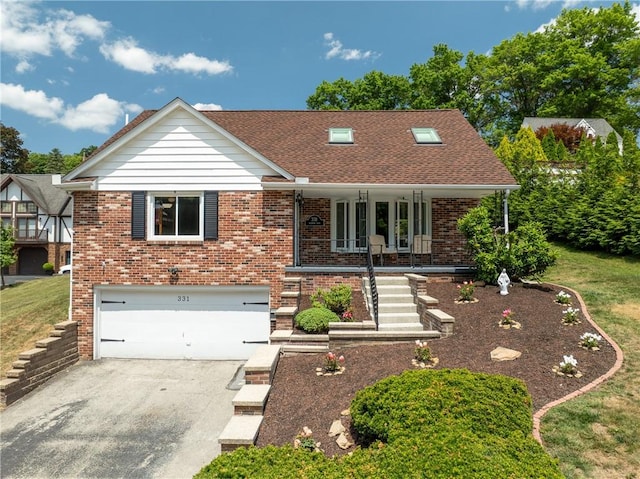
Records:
x=191, y=216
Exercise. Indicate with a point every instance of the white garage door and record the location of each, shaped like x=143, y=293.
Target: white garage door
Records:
x=176, y=323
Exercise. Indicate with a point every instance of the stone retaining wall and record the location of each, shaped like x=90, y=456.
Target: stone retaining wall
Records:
x=36, y=366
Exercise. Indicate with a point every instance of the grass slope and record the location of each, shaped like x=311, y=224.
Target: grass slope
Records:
x=598, y=434
x=28, y=312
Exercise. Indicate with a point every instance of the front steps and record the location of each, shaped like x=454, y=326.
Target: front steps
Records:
x=397, y=310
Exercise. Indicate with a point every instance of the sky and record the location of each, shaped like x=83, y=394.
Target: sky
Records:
x=72, y=72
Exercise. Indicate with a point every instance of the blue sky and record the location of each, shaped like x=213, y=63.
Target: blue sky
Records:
x=72, y=71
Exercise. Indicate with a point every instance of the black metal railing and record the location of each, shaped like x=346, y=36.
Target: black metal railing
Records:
x=372, y=286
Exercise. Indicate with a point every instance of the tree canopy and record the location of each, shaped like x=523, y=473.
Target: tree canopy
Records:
x=586, y=64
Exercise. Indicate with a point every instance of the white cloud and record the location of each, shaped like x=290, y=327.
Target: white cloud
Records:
x=129, y=55
x=337, y=50
x=207, y=106
x=24, y=66
x=98, y=114
x=24, y=34
x=32, y=102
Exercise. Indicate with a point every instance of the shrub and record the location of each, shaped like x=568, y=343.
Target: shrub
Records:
x=524, y=253
x=47, y=267
x=337, y=298
x=315, y=320
x=440, y=424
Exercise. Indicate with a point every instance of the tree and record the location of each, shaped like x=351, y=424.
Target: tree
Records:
x=8, y=254
x=12, y=156
x=55, y=162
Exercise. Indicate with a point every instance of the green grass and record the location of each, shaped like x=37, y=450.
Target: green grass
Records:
x=28, y=312
x=597, y=435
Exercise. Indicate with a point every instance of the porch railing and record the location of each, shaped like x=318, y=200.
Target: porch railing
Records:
x=372, y=286
x=31, y=235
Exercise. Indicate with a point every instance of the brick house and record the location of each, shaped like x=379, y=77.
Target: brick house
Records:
x=40, y=215
x=188, y=222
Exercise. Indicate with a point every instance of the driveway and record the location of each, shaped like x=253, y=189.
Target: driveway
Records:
x=116, y=418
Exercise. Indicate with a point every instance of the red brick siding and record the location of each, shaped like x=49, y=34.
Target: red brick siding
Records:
x=254, y=246
x=450, y=244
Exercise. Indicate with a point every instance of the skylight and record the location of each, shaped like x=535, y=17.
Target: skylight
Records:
x=426, y=135
x=340, y=135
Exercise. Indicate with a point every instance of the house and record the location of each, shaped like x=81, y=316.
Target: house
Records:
x=593, y=127
x=188, y=225
x=41, y=217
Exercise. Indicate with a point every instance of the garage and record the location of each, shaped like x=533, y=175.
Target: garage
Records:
x=170, y=322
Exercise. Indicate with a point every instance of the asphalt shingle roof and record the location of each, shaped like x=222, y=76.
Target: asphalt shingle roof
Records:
x=40, y=189
x=384, y=150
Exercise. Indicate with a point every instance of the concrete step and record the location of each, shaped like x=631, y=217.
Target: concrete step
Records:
x=395, y=298
x=384, y=307
x=251, y=399
x=357, y=325
x=391, y=289
x=389, y=280
x=305, y=348
x=393, y=318
x=401, y=327
x=240, y=431
x=382, y=336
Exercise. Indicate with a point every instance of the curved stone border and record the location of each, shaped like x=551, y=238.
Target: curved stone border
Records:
x=596, y=382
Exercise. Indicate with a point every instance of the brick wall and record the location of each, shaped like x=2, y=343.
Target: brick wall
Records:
x=448, y=248
x=34, y=367
x=253, y=247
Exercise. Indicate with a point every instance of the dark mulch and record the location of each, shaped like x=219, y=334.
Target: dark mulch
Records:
x=299, y=398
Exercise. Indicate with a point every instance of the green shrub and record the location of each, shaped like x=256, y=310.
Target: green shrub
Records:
x=422, y=424
x=337, y=298
x=524, y=253
x=315, y=320
x=47, y=267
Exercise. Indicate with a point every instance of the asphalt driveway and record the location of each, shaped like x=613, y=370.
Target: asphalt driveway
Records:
x=120, y=419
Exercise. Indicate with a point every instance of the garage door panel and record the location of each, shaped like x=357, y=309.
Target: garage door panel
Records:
x=201, y=324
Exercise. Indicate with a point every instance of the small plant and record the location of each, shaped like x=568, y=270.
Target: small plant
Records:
x=315, y=320
x=563, y=298
x=333, y=363
x=47, y=267
x=466, y=290
x=347, y=316
x=569, y=365
x=422, y=353
x=570, y=316
x=337, y=298
x=507, y=317
x=590, y=340
x=305, y=441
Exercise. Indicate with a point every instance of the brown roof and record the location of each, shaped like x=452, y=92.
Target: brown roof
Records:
x=384, y=150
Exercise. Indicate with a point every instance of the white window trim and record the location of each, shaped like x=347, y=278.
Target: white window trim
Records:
x=151, y=199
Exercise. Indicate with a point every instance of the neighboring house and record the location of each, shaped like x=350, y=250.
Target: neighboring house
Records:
x=593, y=127
x=189, y=224
x=41, y=217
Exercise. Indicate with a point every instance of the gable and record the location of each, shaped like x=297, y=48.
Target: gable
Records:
x=179, y=152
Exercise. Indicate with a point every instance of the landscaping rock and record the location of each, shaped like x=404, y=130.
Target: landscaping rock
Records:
x=504, y=354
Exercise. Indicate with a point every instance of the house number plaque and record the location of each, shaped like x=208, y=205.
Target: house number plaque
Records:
x=314, y=220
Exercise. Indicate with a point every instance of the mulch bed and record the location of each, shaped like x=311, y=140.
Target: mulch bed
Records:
x=299, y=398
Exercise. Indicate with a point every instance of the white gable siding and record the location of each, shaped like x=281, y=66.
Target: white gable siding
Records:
x=13, y=192
x=180, y=153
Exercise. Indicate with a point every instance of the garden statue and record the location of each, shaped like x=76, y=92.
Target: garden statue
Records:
x=504, y=282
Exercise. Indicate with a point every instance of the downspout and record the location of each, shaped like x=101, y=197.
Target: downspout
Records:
x=506, y=215
x=297, y=214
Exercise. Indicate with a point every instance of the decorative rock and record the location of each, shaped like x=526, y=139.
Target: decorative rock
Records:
x=513, y=325
x=556, y=370
x=462, y=301
x=425, y=364
x=504, y=354
x=343, y=442
x=336, y=428
x=346, y=412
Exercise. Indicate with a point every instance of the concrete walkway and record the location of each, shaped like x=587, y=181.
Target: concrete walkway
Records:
x=120, y=418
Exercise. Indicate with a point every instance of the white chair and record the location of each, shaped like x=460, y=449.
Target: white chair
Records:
x=421, y=245
x=379, y=247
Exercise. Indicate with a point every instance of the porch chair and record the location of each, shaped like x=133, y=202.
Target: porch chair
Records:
x=379, y=247
x=421, y=246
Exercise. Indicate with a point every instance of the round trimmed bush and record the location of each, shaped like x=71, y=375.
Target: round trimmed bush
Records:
x=315, y=320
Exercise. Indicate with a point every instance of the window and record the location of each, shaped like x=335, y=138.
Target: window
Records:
x=5, y=207
x=426, y=136
x=187, y=216
x=340, y=135
x=26, y=207
x=395, y=219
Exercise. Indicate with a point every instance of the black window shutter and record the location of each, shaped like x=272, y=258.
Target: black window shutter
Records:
x=138, y=223
x=210, y=215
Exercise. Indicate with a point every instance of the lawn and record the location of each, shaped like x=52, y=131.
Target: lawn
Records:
x=598, y=434
x=29, y=311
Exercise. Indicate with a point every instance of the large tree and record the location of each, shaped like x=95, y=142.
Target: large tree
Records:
x=586, y=64
x=12, y=156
